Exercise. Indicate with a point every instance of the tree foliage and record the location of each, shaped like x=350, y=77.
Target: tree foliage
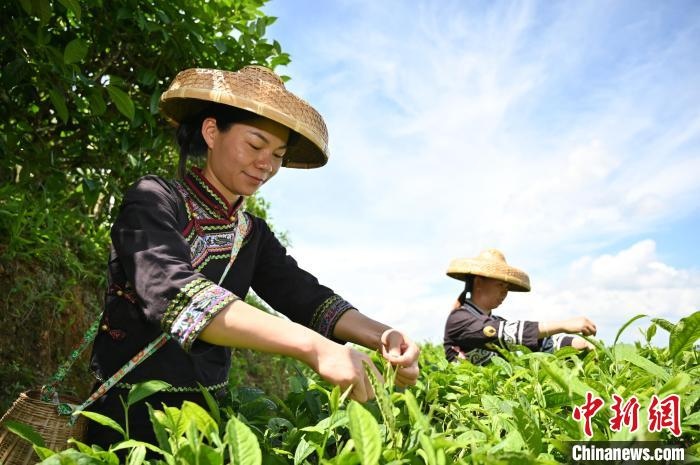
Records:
x=79, y=89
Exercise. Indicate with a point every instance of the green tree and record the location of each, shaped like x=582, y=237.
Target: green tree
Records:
x=79, y=89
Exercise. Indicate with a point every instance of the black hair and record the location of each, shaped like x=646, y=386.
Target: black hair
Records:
x=468, y=285
x=189, y=133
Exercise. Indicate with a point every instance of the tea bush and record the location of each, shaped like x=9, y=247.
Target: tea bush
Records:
x=517, y=410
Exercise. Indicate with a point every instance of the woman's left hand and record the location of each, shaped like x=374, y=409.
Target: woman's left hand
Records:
x=403, y=353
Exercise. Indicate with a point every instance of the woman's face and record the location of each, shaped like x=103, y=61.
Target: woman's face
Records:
x=245, y=157
x=489, y=293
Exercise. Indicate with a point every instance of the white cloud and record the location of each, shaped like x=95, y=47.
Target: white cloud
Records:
x=550, y=132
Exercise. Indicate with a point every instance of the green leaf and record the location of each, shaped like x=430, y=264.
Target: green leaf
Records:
x=24, y=431
x=43, y=452
x=364, y=431
x=72, y=6
x=75, y=51
x=679, y=384
x=97, y=103
x=122, y=101
x=529, y=429
x=664, y=324
x=137, y=456
x=42, y=8
x=684, y=336
x=158, y=428
x=204, y=422
x=303, y=450
x=208, y=398
x=140, y=391
x=629, y=353
x=567, y=380
x=629, y=322
x=59, y=104
x=243, y=447
x=26, y=6
x=104, y=421
x=651, y=332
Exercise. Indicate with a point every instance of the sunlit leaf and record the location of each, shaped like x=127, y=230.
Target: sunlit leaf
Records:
x=104, y=421
x=243, y=447
x=142, y=390
x=122, y=101
x=684, y=335
x=364, y=431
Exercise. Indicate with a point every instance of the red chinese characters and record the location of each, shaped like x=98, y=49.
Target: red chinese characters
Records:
x=665, y=413
x=662, y=413
x=586, y=412
x=626, y=414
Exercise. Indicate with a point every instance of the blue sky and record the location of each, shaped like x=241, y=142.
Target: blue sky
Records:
x=566, y=134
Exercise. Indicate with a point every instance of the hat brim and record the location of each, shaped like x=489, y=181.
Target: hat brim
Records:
x=518, y=281
x=308, y=151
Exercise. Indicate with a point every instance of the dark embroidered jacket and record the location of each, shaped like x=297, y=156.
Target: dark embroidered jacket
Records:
x=468, y=330
x=170, y=245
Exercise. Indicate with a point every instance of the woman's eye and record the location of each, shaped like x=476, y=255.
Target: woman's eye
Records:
x=279, y=155
x=254, y=147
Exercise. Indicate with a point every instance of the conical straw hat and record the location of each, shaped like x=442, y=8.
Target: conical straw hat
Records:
x=258, y=90
x=491, y=264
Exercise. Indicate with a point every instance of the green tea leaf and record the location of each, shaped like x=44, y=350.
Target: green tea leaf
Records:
x=24, y=431
x=303, y=450
x=684, y=335
x=664, y=324
x=243, y=447
x=104, y=421
x=364, y=431
x=624, y=326
x=140, y=391
x=679, y=384
x=629, y=353
x=204, y=422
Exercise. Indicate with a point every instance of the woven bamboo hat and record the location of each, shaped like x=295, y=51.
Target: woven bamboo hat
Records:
x=491, y=264
x=258, y=90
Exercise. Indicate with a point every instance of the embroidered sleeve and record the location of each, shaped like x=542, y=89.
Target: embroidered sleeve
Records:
x=291, y=290
x=192, y=310
x=470, y=329
x=327, y=315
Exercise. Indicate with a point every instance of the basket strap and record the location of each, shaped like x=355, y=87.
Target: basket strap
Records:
x=136, y=360
x=48, y=391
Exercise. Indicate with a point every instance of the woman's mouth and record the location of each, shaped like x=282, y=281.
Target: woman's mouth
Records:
x=255, y=179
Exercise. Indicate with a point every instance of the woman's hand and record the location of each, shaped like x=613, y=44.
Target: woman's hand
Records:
x=579, y=324
x=344, y=366
x=581, y=344
x=402, y=353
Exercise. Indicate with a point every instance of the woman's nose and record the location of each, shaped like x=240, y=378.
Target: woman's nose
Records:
x=264, y=161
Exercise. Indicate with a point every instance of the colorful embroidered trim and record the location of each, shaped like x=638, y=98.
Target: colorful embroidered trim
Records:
x=211, y=231
x=328, y=313
x=114, y=379
x=212, y=388
x=192, y=310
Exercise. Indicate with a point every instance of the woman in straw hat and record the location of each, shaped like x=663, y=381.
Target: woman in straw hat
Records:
x=185, y=253
x=471, y=326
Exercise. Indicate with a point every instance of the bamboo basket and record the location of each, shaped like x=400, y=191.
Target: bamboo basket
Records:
x=44, y=418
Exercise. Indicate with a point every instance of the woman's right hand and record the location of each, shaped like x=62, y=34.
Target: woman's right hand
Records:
x=579, y=324
x=344, y=366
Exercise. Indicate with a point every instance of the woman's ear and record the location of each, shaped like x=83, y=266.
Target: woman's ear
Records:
x=209, y=131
